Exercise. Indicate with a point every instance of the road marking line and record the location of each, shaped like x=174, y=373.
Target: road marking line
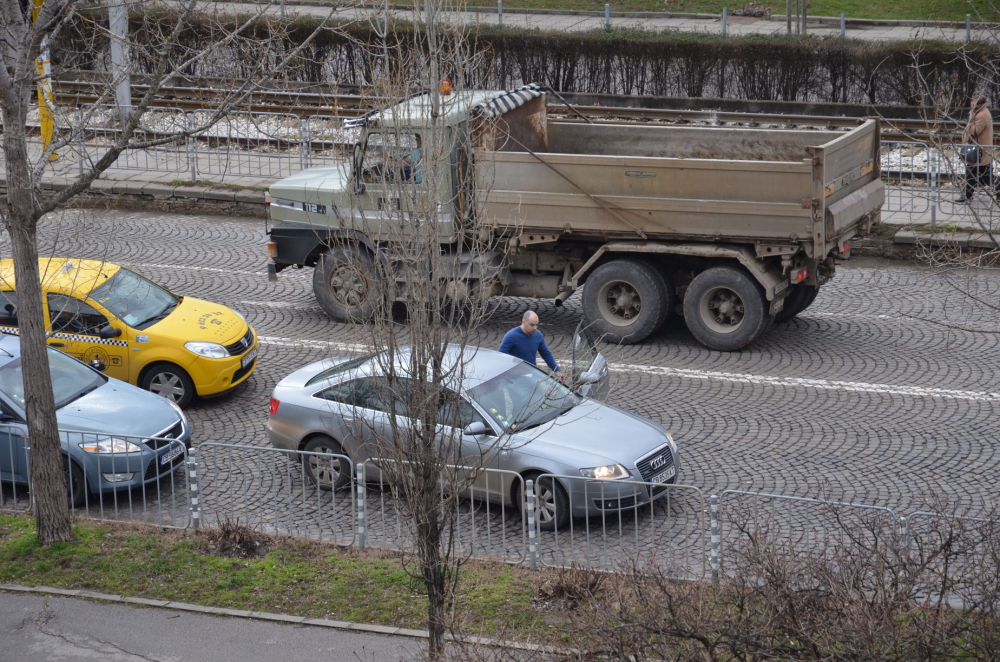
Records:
x=280, y=304
x=732, y=377
x=823, y=384
x=187, y=267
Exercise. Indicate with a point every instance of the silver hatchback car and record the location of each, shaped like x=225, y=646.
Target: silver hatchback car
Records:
x=514, y=417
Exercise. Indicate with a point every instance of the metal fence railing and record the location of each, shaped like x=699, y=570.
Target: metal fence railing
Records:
x=612, y=524
x=109, y=477
x=615, y=522
x=274, y=490
x=485, y=522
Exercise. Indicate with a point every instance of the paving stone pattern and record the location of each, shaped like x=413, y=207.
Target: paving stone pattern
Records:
x=884, y=392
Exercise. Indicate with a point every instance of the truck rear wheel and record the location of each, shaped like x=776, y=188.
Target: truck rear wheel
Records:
x=800, y=298
x=347, y=284
x=725, y=308
x=626, y=300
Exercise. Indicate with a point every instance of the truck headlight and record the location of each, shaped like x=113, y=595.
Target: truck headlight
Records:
x=110, y=445
x=607, y=472
x=212, y=350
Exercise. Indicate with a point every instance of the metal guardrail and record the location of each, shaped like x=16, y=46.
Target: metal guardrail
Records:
x=271, y=489
x=152, y=486
x=667, y=529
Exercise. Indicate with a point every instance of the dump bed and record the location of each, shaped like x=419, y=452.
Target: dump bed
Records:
x=684, y=183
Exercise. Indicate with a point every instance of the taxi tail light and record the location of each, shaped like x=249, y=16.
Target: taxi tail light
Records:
x=799, y=275
x=273, y=406
x=272, y=249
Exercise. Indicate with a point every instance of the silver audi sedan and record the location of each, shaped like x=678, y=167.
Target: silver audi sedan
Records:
x=513, y=416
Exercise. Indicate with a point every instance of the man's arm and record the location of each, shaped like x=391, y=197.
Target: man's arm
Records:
x=550, y=360
x=506, y=344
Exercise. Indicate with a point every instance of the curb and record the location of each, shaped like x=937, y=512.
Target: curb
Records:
x=266, y=616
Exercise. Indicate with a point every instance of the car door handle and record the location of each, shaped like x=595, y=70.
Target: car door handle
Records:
x=57, y=344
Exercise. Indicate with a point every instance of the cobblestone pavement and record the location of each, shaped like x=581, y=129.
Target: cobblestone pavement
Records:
x=884, y=392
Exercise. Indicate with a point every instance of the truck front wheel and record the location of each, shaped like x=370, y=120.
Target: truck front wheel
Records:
x=725, y=308
x=626, y=300
x=347, y=284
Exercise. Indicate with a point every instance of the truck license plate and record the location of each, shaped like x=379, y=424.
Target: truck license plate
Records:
x=665, y=476
x=251, y=355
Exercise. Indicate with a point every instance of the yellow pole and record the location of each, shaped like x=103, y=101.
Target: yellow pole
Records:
x=46, y=103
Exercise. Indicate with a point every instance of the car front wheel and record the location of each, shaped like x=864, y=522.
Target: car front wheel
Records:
x=171, y=382
x=552, y=507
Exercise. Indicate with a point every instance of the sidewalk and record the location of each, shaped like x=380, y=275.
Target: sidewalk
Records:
x=579, y=21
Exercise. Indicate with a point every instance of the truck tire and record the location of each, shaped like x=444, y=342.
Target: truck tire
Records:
x=626, y=300
x=798, y=300
x=348, y=284
x=725, y=308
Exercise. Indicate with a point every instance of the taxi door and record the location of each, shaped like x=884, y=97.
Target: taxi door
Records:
x=81, y=330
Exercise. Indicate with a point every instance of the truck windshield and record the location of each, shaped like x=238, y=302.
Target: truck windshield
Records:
x=70, y=379
x=134, y=300
x=523, y=397
x=391, y=156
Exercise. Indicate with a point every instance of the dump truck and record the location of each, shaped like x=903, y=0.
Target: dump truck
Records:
x=730, y=227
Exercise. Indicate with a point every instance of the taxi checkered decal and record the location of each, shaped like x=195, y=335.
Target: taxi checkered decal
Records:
x=68, y=336
x=94, y=340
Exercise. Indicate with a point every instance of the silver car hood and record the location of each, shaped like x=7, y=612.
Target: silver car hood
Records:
x=118, y=408
x=592, y=427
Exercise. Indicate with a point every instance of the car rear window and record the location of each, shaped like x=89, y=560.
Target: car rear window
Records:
x=340, y=368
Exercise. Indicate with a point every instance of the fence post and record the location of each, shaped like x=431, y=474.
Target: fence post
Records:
x=904, y=533
x=713, y=501
x=192, y=463
x=27, y=467
x=607, y=16
x=843, y=25
x=529, y=493
x=500, y=13
x=968, y=28
x=725, y=16
x=305, y=146
x=192, y=150
x=361, y=508
x=83, y=139
x=788, y=16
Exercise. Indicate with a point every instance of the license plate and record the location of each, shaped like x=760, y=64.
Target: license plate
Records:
x=251, y=355
x=665, y=476
x=171, y=454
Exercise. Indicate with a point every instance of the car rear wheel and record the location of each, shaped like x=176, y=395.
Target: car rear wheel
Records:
x=552, y=510
x=329, y=473
x=171, y=382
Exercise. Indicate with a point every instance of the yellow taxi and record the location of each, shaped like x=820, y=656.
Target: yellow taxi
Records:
x=174, y=346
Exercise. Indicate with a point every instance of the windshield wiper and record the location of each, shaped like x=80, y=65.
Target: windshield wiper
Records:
x=163, y=313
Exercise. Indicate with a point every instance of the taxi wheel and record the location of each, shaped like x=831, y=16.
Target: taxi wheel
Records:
x=171, y=382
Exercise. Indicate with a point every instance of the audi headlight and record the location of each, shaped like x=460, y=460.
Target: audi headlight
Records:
x=212, y=350
x=670, y=440
x=607, y=472
x=110, y=445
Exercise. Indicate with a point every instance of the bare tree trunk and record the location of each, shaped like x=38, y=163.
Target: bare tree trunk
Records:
x=48, y=475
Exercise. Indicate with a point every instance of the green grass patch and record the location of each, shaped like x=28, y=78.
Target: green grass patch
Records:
x=298, y=577
x=920, y=10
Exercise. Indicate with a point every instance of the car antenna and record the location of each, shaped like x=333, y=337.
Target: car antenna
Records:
x=6, y=352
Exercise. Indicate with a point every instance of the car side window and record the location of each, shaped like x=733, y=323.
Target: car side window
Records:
x=466, y=413
x=70, y=315
x=8, y=308
x=364, y=393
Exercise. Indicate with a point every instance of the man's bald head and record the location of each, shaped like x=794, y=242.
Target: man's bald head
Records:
x=529, y=322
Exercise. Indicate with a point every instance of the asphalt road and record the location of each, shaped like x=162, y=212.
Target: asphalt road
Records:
x=60, y=629
x=884, y=392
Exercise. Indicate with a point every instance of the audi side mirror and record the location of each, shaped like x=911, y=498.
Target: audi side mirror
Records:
x=474, y=429
x=589, y=378
x=98, y=365
x=109, y=332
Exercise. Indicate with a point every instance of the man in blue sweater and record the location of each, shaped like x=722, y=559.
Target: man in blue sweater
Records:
x=526, y=341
